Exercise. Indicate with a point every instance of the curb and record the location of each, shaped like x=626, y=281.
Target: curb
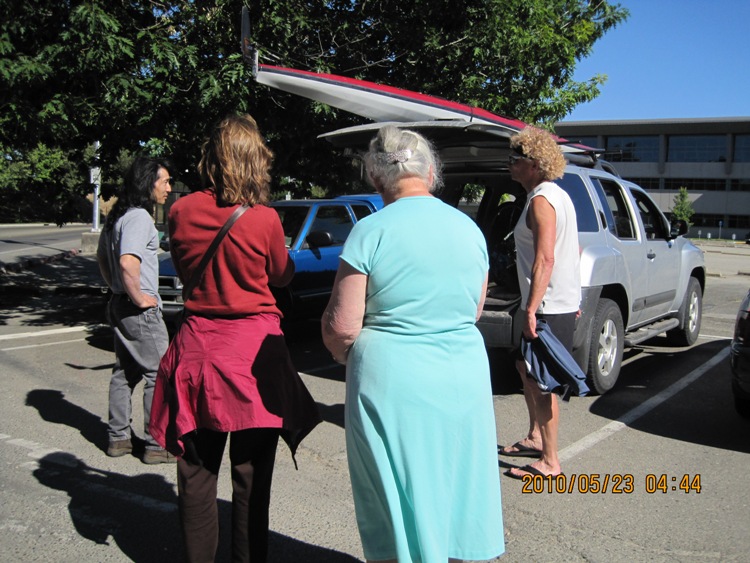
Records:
x=725, y=275
x=29, y=263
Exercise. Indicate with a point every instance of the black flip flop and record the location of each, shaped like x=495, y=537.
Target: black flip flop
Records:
x=531, y=471
x=523, y=451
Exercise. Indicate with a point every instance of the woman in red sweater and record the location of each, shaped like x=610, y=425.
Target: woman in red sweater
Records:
x=228, y=370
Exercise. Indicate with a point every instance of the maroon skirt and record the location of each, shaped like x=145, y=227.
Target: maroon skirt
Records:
x=228, y=375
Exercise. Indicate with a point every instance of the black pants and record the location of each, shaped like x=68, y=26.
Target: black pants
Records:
x=252, y=454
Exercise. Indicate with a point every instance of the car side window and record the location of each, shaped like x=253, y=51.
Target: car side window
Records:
x=585, y=212
x=361, y=211
x=292, y=219
x=609, y=221
x=614, y=197
x=650, y=216
x=333, y=219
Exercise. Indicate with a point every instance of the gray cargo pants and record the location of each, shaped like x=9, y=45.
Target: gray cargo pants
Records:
x=141, y=340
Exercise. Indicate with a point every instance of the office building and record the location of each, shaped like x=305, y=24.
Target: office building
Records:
x=709, y=156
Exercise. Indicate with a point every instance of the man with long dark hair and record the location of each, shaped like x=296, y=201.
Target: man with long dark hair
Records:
x=128, y=263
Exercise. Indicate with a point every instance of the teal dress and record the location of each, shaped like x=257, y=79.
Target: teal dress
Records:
x=420, y=423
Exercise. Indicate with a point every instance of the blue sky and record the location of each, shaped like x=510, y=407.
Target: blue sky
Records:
x=672, y=59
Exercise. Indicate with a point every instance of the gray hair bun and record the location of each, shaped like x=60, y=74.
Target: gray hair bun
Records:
x=397, y=153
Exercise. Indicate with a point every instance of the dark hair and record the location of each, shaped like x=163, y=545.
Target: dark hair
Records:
x=137, y=188
x=236, y=162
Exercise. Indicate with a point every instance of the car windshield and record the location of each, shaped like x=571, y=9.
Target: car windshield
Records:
x=292, y=219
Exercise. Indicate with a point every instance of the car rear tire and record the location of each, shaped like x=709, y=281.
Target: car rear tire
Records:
x=690, y=315
x=607, y=339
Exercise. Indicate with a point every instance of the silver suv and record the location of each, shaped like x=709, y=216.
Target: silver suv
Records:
x=639, y=278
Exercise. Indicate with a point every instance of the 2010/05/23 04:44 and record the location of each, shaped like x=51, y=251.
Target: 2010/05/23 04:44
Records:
x=614, y=483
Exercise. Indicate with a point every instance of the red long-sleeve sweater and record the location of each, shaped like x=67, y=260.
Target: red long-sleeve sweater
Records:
x=251, y=256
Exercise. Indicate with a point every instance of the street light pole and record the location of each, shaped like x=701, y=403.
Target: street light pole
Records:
x=96, y=176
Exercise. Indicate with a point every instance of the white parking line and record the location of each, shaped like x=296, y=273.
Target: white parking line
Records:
x=42, y=345
x=641, y=410
x=53, y=331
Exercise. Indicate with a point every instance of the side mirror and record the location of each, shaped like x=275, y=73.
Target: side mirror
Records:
x=678, y=229
x=316, y=239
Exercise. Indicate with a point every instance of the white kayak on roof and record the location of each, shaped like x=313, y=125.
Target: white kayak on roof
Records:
x=386, y=104
x=377, y=102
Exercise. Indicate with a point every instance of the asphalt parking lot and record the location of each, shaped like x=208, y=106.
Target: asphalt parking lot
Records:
x=669, y=418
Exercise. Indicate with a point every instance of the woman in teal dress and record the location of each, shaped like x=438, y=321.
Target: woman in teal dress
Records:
x=420, y=425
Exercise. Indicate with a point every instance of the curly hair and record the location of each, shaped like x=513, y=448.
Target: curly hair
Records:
x=236, y=163
x=137, y=188
x=399, y=153
x=539, y=146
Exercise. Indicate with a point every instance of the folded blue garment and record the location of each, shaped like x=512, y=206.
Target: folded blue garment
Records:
x=551, y=365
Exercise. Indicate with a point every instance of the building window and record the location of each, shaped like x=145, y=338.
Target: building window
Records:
x=741, y=185
x=697, y=148
x=706, y=220
x=645, y=183
x=739, y=221
x=632, y=148
x=742, y=148
x=696, y=184
x=589, y=140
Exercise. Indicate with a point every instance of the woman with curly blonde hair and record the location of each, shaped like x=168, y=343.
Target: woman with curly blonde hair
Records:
x=546, y=238
x=539, y=146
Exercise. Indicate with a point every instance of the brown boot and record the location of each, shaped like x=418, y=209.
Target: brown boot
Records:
x=119, y=448
x=152, y=457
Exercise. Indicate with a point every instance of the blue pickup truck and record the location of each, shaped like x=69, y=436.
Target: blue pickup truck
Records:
x=315, y=231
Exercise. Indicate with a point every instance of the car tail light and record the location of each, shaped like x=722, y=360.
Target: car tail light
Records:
x=742, y=325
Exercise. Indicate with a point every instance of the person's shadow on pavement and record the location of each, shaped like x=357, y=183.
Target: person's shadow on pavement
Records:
x=54, y=407
x=140, y=514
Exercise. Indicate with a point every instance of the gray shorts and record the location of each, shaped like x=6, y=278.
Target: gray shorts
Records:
x=561, y=325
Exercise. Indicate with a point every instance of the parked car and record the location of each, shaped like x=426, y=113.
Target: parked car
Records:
x=640, y=278
x=739, y=358
x=315, y=231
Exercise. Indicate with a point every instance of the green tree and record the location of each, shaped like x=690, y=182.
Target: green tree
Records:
x=682, y=208
x=78, y=72
x=151, y=75
x=34, y=185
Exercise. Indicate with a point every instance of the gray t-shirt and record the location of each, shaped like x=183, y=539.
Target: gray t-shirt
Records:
x=134, y=233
